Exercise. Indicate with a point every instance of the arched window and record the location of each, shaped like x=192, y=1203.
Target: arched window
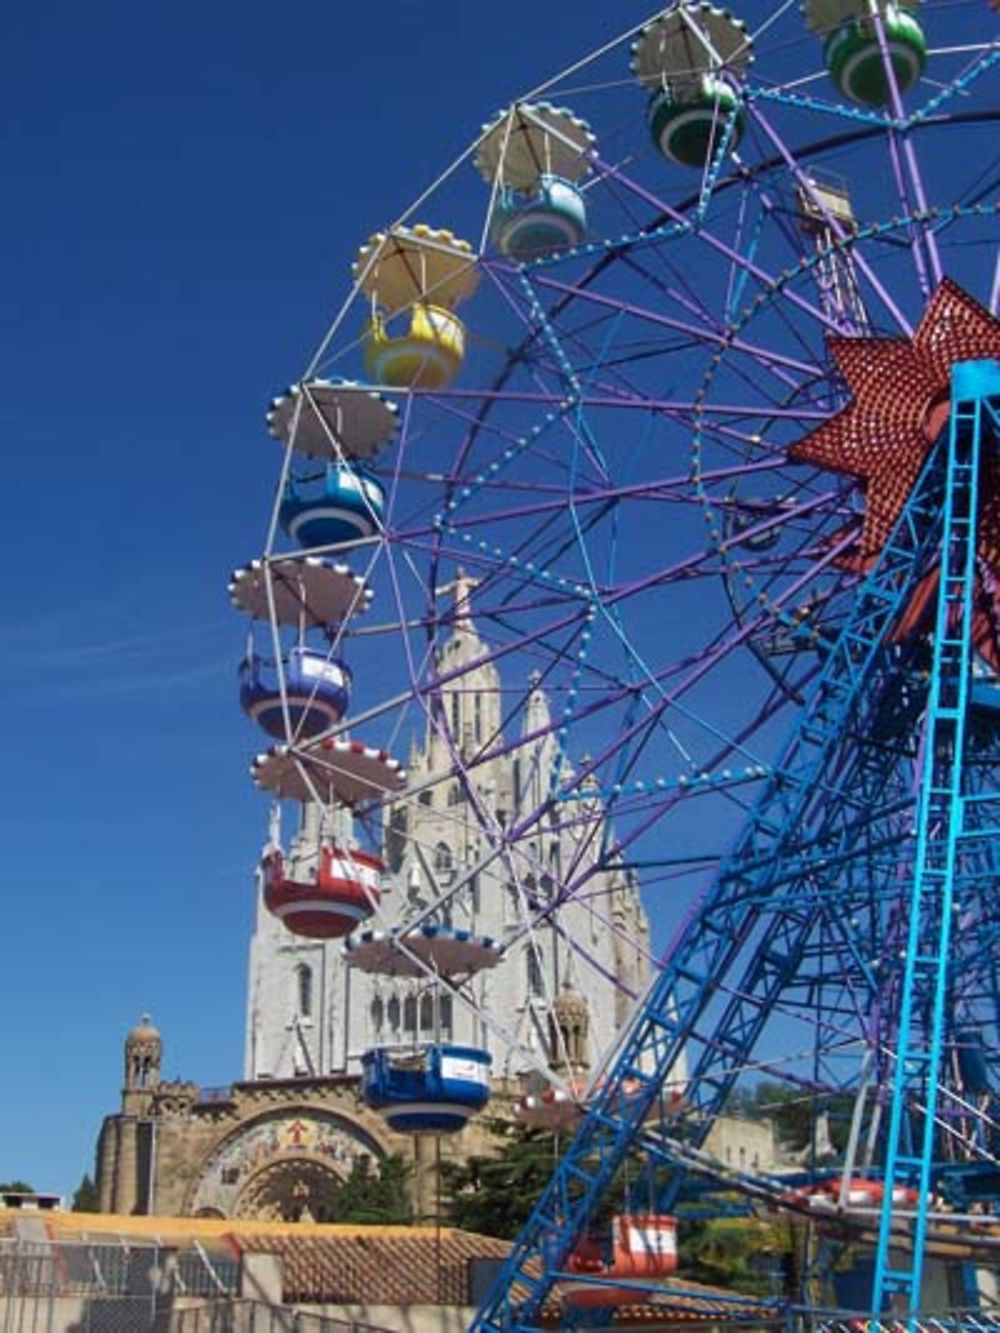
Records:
x=454, y=794
x=456, y=714
x=443, y=860
x=427, y=1013
x=477, y=705
x=410, y=1014
x=392, y=1013
x=378, y=1015
x=444, y=1009
x=534, y=971
x=304, y=990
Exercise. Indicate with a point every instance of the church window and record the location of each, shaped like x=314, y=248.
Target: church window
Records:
x=392, y=1014
x=534, y=971
x=378, y=1014
x=395, y=838
x=443, y=862
x=426, y=797
x=454, y=794
x=427, y=1013
x=304, y=990
x=444, y=1009
x=410, y=1014
x=477, y=704
x=456, y=713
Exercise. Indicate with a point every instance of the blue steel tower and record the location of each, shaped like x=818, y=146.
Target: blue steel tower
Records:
x=860, y=897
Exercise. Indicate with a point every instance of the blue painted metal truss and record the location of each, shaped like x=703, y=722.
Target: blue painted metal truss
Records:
x=835, y=912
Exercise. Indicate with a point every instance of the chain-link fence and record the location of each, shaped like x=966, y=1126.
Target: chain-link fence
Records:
x=37, y=1268
x=256, y=1317
x=135, y=1314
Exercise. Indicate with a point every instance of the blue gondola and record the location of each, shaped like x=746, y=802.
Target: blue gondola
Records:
x=551, y=219
x=317, y=688
x=985, y=693
x=428, y=1090
x=347, y=506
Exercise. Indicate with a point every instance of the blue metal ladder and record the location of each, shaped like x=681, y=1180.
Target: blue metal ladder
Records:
x=916, y=1064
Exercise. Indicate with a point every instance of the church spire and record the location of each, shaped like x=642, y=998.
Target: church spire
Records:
x=461, y=589
x=537, y=718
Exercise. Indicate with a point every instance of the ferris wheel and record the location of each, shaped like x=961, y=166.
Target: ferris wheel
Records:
x=618, y=481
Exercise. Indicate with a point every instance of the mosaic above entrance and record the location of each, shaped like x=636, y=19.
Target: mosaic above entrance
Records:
x=286, y=1166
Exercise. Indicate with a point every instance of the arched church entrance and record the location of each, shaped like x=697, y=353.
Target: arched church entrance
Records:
x=285, y=1165
x=294, y=1190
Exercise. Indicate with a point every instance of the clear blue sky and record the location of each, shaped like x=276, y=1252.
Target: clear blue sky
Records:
x=185, y=186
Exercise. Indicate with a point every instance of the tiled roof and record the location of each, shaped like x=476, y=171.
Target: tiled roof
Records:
x=376, y=1265
x=677, y=1302
x=342, y=1264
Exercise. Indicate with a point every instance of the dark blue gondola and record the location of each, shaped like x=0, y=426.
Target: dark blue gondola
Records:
x=346, y=505
x=428, y=1090
x=317, y=688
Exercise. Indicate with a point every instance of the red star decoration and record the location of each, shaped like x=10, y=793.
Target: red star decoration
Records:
x=899, y=404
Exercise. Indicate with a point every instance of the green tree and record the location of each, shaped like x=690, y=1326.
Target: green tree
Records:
x=86, y=1199
x=371, y=1197
x=793, y=1111
x=494, y=1195
x=742, y=1254
x=16, y=1187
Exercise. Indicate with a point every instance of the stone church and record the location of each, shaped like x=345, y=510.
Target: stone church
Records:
x=277, y=1144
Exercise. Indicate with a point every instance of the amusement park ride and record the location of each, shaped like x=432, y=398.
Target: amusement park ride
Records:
x=720, y=452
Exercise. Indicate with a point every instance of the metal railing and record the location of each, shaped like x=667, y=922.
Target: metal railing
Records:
x=246, y=1316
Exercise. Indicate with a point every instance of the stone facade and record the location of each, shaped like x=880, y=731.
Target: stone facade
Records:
x=267, y=1149
x=308, y=1013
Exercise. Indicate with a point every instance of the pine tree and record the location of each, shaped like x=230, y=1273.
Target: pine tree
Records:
x=86, y=1199
x=369, y=1197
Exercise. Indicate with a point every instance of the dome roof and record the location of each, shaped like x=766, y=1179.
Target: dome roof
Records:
x=144, y=1031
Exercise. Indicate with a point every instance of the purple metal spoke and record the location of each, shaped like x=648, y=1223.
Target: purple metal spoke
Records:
x=721, y=247
x=707, y=335
x=631, y=401
x=896, y=139
x=653, y=488
x=806, y=183
x=659, y=812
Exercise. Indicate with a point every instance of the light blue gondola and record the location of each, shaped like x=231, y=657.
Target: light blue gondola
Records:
x=548, y=220
x=430, y=1089
x=347, y=506
x=317, y=689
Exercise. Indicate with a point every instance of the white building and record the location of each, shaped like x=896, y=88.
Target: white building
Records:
x=308, y=1013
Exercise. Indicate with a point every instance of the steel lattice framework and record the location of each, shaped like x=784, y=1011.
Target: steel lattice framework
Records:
x=837, y=802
